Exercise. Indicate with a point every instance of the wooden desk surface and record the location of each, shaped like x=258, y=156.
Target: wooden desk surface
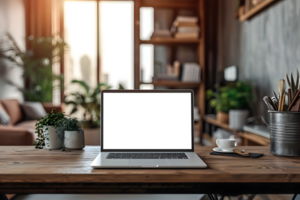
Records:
x=23, y=167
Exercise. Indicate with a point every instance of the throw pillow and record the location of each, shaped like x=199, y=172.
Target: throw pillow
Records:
x=33, y=110
x=4, y=118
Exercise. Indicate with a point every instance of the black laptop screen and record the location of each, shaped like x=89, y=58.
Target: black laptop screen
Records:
x=147, y=121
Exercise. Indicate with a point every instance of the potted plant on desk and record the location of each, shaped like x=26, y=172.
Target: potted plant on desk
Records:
x=48, y=136
x=73, y=134
x=88, y=102
x=233, y=99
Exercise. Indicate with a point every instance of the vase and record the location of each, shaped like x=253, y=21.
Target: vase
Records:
x=238, y=118
x=74, y=139
x=53, y=140
x=222, y=117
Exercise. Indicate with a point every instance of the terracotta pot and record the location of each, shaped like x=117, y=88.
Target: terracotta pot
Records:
x=223, y=117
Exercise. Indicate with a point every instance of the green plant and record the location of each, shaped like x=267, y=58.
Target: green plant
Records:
x=89, y=101
x=37, y=64
x=237, y=96
x=51, y=119
x=68, y=124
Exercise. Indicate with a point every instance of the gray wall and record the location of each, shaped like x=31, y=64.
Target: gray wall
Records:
x=12, y=20
x=264, y=48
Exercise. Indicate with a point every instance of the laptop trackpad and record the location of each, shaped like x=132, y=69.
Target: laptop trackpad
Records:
x=149, y=162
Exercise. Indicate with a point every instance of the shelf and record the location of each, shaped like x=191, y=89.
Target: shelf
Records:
x=170, y=41
x=258, y=8
x=211, y=119
x=170, y=3
x=175, y=84
x=254, y=138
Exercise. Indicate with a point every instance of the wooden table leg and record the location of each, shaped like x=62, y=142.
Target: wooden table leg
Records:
x=3, y=197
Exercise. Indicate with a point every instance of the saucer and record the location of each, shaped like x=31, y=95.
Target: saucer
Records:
x=217, y=149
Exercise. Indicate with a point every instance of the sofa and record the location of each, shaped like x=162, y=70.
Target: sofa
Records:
x=19, y=131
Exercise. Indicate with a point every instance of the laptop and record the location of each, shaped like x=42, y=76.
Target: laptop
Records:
x=147, y=129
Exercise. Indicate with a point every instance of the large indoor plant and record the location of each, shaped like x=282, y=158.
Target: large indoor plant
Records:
x=36, y=63
x=237, y=96
x=47, y=135
x=73, y=134
x=88, y=101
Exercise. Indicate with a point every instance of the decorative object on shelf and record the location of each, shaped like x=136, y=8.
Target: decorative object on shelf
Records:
x=237, y=96
x=36, y=64
x=47, y=135
x=238, y=118
x=73, y=134
x=223, y=117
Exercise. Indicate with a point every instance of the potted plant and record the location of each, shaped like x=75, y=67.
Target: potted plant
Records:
x=233, y=99
x=48, y=136
x=88, y=102
x=36, y=64
x=73, y=134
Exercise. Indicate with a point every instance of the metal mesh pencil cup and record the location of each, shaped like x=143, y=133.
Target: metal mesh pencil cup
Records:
x=285, y=133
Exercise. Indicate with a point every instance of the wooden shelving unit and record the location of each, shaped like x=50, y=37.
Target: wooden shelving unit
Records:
x=248, y=138
x=212, y=120
x=175, y=84
x=199, y=44
x=170, y=41
x=256, y=9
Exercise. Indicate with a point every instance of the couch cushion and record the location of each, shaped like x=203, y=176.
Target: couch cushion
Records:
x=11, y=135
x=33, y=110
x=4, y=118
x=13, y=109
x=26, y=124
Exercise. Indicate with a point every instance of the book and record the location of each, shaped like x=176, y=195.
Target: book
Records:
x=189, y=19
x=185, y=29
x=191, y=35
x=190, y=72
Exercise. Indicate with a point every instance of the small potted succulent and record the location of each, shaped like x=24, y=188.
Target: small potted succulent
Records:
x=48, y=136
x=73, y=134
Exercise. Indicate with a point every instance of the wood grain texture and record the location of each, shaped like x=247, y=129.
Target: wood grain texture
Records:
x=28, y=165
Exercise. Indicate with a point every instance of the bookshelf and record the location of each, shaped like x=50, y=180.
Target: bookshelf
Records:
x=170, y=41
x=197, y=6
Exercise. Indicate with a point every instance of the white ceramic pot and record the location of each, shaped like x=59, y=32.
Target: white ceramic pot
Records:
x=238, y=118
x=74, y=139
x=53, y=140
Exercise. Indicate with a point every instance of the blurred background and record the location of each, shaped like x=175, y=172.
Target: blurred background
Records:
x=62, y=53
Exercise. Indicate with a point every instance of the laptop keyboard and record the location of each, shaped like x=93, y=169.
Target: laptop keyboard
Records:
x=147, y=156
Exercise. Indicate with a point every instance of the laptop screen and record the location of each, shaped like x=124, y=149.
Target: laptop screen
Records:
x=137, y=120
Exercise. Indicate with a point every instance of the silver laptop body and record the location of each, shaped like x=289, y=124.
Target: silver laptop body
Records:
x=147, y=129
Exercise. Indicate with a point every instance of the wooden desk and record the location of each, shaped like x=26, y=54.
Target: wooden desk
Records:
x=28, y=170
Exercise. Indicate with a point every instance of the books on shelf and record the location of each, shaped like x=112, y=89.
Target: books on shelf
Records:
x=190, y=72
x=186, y=35
x=186, y=27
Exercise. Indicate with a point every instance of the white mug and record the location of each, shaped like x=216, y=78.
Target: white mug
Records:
x=226, y=144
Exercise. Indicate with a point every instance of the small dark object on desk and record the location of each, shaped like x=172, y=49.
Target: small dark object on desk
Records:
x=251, y=155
